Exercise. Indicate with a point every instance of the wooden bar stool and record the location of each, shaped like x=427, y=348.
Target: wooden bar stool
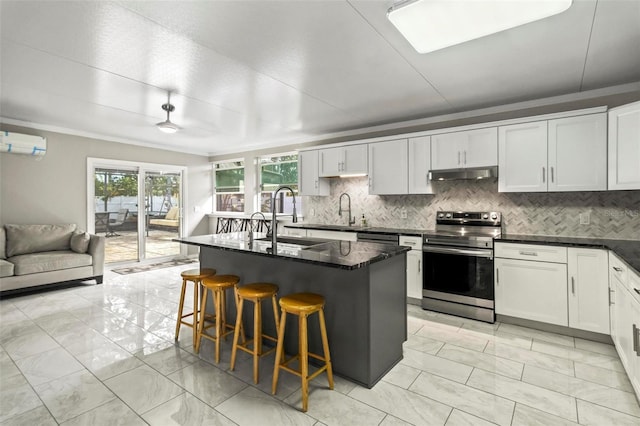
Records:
x=255, y=293
x=218, y=285
x=195, y=276
x=303, y=305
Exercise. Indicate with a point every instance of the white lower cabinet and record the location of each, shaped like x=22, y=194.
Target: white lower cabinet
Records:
x=625, y=318
x=588, y=289
x=554, y=285
x=332, y=235
x=531, y=290
x=414, y=266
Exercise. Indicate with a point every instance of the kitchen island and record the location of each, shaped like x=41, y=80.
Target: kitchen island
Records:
x=363, y=284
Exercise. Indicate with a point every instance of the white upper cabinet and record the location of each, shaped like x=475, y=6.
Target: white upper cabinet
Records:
x=343, y=160
x=330, y=161
x=419, y=165
x=309, y=182
x=522, y=157
x=624, y=147
x=566, y=154
x=577, y=152
x=465, y=149
x=388, y=167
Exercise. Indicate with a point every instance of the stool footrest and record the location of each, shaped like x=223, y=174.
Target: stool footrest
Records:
x=298, y=373
x=245, y=346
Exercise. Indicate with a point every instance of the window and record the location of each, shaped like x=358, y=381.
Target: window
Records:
x=275, y=171
x=229, y=186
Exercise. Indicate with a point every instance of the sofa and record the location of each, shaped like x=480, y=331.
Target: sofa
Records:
x=36, y=255
x=171, y=219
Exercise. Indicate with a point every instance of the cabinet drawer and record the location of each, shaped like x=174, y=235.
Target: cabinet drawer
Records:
x=538, y=253
x=617, y=269
x=414, y=242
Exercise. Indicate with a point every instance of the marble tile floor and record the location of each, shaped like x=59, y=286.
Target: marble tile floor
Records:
x=105, y=355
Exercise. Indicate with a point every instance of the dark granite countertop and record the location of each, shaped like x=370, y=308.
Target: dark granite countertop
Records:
x=627, y=250
x=372, y=229
x=337, y=254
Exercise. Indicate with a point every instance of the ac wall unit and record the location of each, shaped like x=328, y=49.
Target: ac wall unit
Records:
x=17, y=143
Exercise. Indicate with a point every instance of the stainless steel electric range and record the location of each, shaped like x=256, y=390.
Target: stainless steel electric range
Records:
x=458, y=264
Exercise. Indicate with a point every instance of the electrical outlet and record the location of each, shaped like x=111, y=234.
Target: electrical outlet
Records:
x=585, y=218
x=403, y=213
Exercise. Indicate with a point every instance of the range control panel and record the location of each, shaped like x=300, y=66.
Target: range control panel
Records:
x=469, y=218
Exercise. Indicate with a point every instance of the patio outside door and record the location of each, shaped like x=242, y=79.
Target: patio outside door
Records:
x=115, y=212
x=163, y=195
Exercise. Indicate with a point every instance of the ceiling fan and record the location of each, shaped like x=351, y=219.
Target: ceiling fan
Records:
x=167, y=126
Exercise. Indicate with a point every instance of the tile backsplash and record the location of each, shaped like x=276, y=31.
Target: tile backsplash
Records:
x=611, y=214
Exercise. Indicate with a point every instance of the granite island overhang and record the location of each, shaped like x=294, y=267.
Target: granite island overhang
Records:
x=364, y=285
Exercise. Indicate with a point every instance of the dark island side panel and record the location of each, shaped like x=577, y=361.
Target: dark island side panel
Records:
x=365, y=308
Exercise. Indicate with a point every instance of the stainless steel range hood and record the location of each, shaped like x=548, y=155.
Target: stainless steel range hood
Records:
x=464, y=174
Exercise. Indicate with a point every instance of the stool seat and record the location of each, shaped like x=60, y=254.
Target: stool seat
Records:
x=197, y=274
x=302, y=302
x=220, y=281
x=257, y=290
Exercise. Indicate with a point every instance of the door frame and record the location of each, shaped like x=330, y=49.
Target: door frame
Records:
x=142, y=168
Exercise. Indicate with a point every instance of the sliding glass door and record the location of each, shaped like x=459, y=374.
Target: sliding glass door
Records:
x=137, y=207
x=115, y=210
x=163, y=192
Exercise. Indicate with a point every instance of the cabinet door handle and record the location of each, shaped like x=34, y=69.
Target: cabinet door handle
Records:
x=419, y=265
x=617, y=269
x=544, y=174
x=465, y=157
x=636, y=290
x=497, y=276
x=528, y=253
x=316, y=182
x=635, y=339
x=551, y=174
x=611, y=302
x=458, y=158
x=573, y=285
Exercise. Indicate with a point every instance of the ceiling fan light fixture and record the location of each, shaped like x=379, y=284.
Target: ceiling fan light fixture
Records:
x=430, y=25
x=167, y=126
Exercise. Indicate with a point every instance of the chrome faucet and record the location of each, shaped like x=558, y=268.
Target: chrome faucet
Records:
x=274, y=226
x=251, y=226
x=351, y=221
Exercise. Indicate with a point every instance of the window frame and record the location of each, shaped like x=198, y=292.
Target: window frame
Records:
x=242, y=187
x=260, y=184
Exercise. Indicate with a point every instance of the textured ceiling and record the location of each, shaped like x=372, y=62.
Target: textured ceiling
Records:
x=256, y=74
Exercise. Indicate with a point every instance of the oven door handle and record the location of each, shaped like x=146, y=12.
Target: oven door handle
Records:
x=457, y=251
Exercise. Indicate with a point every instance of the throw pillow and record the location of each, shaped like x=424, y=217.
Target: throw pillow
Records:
x=80, y=242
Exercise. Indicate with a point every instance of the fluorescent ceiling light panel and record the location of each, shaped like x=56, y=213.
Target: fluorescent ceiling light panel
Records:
x=431, y=25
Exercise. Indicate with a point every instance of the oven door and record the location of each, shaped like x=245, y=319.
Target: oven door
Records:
x=464, y=273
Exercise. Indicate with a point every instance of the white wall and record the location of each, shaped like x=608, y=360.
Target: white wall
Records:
x=54, y=189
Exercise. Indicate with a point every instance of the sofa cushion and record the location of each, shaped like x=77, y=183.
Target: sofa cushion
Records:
x=49, y=261
x=22, y=239
x=3, y=243
x=6, y=268
x=80, y=241
x=173, y=213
